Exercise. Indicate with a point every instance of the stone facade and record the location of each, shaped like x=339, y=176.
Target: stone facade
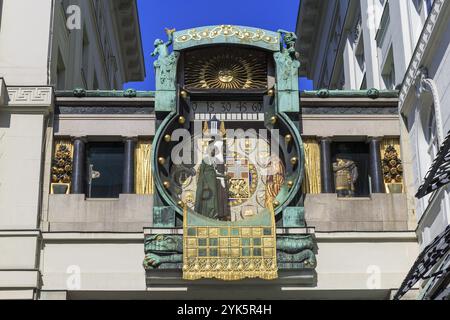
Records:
x=73, y=247
x=424, y=101
x=96, y=55
x=361, y=43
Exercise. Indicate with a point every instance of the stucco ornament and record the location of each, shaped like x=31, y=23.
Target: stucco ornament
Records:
x=130, y=93
x=373, y=93
x=323, y=93
x=79, y=92
x=166, y=64
x=420, y=84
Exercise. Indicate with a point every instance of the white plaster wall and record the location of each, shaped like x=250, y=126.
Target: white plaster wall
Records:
x=438, y=69
x=18, y=251
x=360, y=264
x=24, y=41
x=21, y=138
x=103, y=265
x=350, y=125
x=105, y=125
x=433, y=211
x=344, y=262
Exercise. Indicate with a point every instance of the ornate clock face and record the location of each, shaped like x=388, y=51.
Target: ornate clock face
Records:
x=235, y=171
x=227, y=106
x=247, y=176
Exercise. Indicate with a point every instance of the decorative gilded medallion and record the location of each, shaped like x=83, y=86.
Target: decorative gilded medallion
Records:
x=226, y=69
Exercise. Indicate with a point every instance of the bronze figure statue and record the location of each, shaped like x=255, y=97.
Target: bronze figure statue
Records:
x=345, y=175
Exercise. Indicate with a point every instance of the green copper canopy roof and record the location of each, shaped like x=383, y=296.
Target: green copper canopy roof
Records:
x=226, y=34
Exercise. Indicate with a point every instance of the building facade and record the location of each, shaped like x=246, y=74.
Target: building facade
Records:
x=359, y=44
x=75, y=44
x=37, y=57
x=103, y=197
x=93, y=204
x=423, y=99
x=403, y=45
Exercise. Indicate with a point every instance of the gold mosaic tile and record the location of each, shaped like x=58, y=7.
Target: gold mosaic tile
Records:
x=192, y=243
x=202, y=232
x=214, y=232
x=246, y=232
x=224, y=242
x=235, y=252
x=268, y=252
x=268, y=242
x=235, y=242
x=257, y=232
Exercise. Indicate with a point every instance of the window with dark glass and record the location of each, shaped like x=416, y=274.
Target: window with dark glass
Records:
x=105, y=164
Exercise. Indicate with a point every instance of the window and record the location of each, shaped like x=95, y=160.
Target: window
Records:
x=388, y=73
x=431, y=136
x=428, y=144
x=105, y=164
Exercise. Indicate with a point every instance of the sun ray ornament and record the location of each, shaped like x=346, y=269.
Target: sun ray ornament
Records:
x=240, y=69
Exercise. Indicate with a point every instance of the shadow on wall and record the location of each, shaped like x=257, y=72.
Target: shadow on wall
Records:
x=5, y=121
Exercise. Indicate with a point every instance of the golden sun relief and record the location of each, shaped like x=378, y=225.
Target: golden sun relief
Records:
x=236, y=69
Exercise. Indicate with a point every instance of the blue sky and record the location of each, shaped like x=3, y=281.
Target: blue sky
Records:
x=155, y=15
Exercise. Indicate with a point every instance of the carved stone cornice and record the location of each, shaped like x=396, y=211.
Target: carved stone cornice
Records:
x=422, y=46
x=30, y=99
x=30, y=96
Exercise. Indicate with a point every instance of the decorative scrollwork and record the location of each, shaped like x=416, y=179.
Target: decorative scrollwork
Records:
x=227, y=31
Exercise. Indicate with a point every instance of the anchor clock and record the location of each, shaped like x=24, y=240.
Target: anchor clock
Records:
x=227, y=157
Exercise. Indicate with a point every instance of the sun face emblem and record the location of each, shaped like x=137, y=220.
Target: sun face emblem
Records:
x=226, y=76
x=231, y=69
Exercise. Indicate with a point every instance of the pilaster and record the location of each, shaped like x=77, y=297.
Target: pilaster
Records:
x=326, y=165
x=128, y=170
x=375, y=167
x=79, y=166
